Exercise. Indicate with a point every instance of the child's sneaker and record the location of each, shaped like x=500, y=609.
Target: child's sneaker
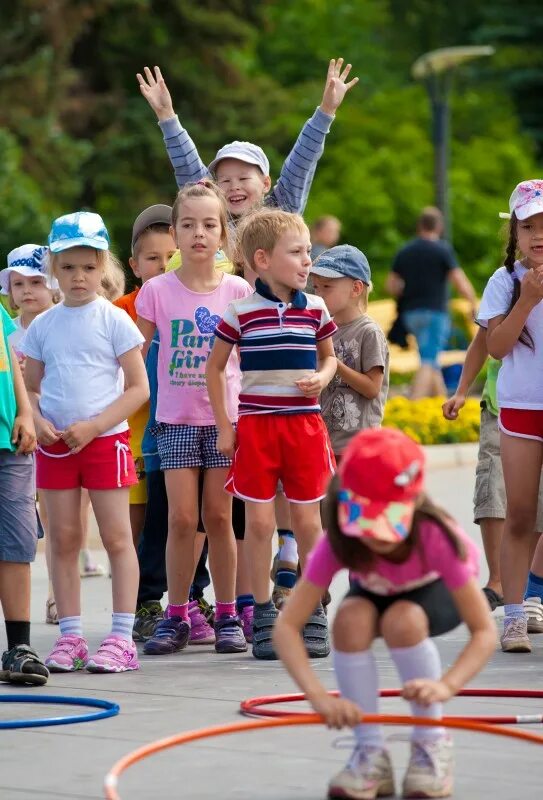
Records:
x=147, y=616
x=534, y=611
x=69, y=654
x=22, y=665
x=280, y=596
x=263, y=622
x=207, y=610
x=201, y=631
x=88, y=568
x=229, y=635
x=514, y=638
x=171, y=634
x=246, y=617
x=367, y=775
x=315, y=634
x=430, y=770
x=115, y=654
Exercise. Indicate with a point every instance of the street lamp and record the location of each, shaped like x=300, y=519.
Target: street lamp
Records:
x=436, y=69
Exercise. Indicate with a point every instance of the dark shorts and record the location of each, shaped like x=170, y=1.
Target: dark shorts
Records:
x=434, y=598
x=18, y=519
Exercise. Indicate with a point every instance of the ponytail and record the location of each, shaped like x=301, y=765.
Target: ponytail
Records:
x=525, y=337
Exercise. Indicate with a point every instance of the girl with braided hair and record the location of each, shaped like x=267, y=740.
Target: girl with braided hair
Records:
x=512, y=312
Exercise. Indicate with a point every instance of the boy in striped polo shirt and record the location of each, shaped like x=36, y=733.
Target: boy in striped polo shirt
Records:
x=287, y=358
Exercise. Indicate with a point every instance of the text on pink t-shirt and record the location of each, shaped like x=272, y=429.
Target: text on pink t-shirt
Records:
x=185, y=321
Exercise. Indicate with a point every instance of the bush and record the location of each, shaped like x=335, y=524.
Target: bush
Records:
x=423, y=420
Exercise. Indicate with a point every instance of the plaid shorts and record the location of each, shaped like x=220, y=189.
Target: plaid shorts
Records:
x=185, y=446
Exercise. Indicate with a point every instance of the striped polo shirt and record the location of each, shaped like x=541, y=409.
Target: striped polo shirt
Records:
x=277, y=344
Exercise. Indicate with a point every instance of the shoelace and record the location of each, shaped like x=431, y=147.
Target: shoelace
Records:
x=517, y=626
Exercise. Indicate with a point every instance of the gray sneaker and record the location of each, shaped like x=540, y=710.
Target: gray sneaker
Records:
x=367, y=775
x=147, y=616
x=514, y=638
x=534, y=611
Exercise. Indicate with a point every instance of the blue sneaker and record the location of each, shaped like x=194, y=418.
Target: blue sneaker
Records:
x=229, y=636
x=170, y=636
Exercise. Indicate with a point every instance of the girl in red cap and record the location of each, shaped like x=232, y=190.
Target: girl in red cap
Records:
x=413, y=576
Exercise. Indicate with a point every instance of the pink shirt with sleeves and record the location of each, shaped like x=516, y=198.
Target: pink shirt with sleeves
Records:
x=433, y=557
x=185, y=321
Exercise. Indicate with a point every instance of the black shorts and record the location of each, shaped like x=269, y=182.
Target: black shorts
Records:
x=434, y=598
x=238, y=512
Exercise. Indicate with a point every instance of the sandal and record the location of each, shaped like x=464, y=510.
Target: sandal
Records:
x=315, y=633
x=51, y=614
x=494, y=599
x=22, y=664
x=263, y=622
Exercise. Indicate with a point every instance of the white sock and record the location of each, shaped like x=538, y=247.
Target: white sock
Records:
x=421, y=661
x=122, y=625
x=357, y=680
x=288, y=549
x=70, y=626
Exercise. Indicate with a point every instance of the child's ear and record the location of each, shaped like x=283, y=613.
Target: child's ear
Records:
x=260, y=259
x=174, y=237
x=134, y=266
x=267, y=184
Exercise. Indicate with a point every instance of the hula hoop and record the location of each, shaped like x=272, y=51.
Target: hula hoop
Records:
x=256, y=706
x=112, y=777
x=108, y=710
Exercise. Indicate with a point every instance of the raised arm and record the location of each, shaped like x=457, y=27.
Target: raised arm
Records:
x=187, y=164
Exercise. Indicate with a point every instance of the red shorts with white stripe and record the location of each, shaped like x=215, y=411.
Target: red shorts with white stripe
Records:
x=522, y=423
x=291, y=448
x=105, y=463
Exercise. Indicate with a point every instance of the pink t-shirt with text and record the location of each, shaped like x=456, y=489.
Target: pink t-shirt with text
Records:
x=185, y=321
x=433, y=557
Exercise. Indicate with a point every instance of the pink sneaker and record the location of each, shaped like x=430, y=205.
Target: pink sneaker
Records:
x=115, y=654
x=201, y=631
x=246, y=617
x=69, y=654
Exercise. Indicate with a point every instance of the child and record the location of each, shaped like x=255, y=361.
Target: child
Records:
x=241, y=169
x=325, y=233
x=31, y=291
x=185, y=306
x=287, y=358
x=85, y=375
x=512, y=312
x=18, y=521
x=152, y=248
x=413, y=576
x=356, y=396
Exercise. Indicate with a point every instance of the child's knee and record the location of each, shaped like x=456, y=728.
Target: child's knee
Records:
x=182, y=522
x=260, y=529
x=404, y=624
x=354, y=625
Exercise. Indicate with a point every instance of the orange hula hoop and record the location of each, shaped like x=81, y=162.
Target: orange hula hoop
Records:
x=112, y=778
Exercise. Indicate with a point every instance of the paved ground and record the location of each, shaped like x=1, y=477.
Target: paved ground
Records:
x=198, y=688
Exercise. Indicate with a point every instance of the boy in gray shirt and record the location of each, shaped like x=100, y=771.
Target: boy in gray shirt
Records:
x=355, y=397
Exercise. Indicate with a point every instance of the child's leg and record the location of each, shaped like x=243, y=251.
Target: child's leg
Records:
x=63, y=509
x=492, y=534
x=217, y=518
x=285, y=568
x=260, y=525
x=87, y=566
x=307, y=527
x=182, y=491
x=15, y=601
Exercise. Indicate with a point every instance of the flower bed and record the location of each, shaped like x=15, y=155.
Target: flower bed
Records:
x=423, y=420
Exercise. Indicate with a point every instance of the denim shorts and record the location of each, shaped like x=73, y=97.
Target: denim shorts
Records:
x=18, y=519
x=187, y=446
x=431, y=329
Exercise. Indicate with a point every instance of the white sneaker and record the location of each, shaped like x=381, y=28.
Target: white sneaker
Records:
x=367, y=775
x=514, y=638
x=430, y=770
x=534, y=611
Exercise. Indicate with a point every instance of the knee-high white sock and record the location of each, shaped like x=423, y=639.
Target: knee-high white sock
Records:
x=421, y=661
x=357, y=680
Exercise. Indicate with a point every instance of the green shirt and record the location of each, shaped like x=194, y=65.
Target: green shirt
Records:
x=489, y=389
x=8, y=406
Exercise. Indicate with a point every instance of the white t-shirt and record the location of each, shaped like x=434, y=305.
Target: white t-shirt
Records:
x=520, y=379
x=80, y=347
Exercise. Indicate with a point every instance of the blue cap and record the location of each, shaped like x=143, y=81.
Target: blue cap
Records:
x=343, y=261
x=28, y=260
x=81, y=229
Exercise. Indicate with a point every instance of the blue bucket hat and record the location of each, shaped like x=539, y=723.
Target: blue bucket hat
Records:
x=81, y=229
x=343, y=261
x=28, y=260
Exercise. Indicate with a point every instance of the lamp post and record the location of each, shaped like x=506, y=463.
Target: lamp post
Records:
x=436, y=69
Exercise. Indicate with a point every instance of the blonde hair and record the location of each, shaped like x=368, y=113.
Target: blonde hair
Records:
x=262, y=229
x=113, y=277
x=204, y=188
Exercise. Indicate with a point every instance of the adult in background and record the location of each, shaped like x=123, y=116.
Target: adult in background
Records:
x=325, y=233
x=421, y=273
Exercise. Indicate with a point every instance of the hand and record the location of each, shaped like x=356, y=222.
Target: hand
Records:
x=24, y=434
x=46, y=432
x=337, y=712
x=531, y=288
x=311, y=387
x=226, y=441
x=452, y=406
x=22, y=361
x=335, y=87
x=79, y=434
x=425, y=691
x=155, y=91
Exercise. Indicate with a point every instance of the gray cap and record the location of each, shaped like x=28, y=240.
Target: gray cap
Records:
x=154, y=215
x=243, y=151
x=343, y=261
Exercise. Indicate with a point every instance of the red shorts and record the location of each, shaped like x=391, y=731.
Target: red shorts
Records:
x=291, y=448
x=522, y=423
x=105, y=463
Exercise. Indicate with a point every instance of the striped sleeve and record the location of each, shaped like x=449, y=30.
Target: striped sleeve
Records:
x=327, y=326
x=228, y=328
x=187, y=164
x=292, y=189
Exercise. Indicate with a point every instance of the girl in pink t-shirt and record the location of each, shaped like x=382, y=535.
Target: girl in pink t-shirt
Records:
x=413, y=576
x=185, y=306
